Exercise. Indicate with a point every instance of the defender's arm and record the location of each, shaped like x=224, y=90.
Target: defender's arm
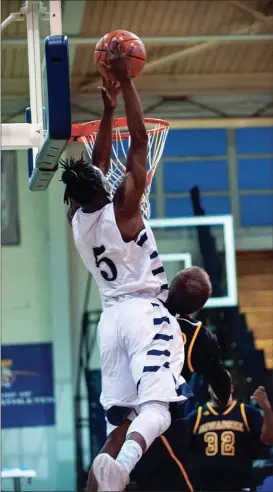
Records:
x=210, y=364
x=261, y=397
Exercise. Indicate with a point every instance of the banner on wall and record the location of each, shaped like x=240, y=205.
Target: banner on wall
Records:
x=27, y=385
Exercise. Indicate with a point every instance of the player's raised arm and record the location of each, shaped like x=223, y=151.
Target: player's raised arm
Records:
x=130, y=191
x=267, y=429
x=103, y=144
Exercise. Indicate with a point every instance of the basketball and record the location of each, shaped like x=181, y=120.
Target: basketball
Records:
x=132, y=42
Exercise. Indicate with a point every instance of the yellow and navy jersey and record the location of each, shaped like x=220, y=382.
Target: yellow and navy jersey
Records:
x=225, y=441
x=165, y=465
x=203, y=355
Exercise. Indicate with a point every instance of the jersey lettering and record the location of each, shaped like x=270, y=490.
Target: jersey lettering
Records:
x=111, y=265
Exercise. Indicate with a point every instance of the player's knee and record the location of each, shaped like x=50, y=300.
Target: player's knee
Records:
x=161, y=413
x=154, y=419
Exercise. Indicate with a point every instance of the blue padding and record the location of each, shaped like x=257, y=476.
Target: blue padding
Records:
x=209, y=176
x=256, y=210
x=254, y=140
x=182, y=207
x=255, y=174
x=59, y=113
x=196, y=142
x=58, y=89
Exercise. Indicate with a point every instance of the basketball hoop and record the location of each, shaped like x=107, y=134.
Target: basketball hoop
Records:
x=157, y=131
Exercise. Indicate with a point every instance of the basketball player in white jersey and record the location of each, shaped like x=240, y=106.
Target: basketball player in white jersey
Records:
x=141, y=347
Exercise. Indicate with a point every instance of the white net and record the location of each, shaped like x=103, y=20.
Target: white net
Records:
x=157, y=131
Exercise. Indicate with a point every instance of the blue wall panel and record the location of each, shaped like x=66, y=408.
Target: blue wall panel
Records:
x=153, y=183
x=209, y=176
x=254, y=174
x=196, y=142
x=182, y=207
x=153, y=208
x=256, y=210
x=254, y=140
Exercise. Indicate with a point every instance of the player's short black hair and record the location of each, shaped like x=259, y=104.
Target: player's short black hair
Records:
x=82, y=181
x=189, y=291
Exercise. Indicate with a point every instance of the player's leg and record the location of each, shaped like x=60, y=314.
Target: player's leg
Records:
x=113, y=474
x=162, y=467
x=156, y=353
x=112, y=446
x=118, y=390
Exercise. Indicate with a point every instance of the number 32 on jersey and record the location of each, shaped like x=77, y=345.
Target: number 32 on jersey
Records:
x=223, y=443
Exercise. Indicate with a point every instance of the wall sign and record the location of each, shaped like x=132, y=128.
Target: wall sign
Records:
x=27, y=385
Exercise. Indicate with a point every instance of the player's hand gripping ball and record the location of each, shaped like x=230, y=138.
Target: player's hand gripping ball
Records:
x=115, y=47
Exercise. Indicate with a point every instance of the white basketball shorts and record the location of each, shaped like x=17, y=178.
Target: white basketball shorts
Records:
x=142, y=354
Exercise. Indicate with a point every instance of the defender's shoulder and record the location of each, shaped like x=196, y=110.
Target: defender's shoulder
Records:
x=187, y=323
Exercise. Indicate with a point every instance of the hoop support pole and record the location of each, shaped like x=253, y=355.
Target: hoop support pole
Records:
x=14, y=17
x=55, y=10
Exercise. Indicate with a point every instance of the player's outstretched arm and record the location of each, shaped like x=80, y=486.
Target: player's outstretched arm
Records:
x=130, y=191
x=267, y=429
x=134, y=183
x=103, y=145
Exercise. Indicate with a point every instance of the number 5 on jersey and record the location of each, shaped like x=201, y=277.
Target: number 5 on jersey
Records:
x=112, y=273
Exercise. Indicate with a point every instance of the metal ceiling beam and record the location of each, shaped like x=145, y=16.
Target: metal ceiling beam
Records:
x=198, y=48
x=155, y=40
x=11, y=118
x=200, y=105
x=255, y=14
x=85, y=110
x=195, y=123
x=163, y=85
x=190, y=84
x=263, y=109
x=153, y=106
x=221, y=123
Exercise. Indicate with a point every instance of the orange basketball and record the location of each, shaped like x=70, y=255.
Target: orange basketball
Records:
x=131, y=42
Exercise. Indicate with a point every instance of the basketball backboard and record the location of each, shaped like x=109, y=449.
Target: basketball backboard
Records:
x=54, y=93
x=204, y=241
x=46, y=133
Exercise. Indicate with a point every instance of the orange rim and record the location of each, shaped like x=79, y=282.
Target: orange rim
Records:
x=91, y=128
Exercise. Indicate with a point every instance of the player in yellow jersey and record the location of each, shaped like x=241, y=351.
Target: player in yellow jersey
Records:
x=225, y=440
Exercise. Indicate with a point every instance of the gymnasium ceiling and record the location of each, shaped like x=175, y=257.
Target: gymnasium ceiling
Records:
x=196, y=77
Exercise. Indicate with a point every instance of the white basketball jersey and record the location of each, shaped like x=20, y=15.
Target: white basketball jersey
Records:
x=120, y=269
